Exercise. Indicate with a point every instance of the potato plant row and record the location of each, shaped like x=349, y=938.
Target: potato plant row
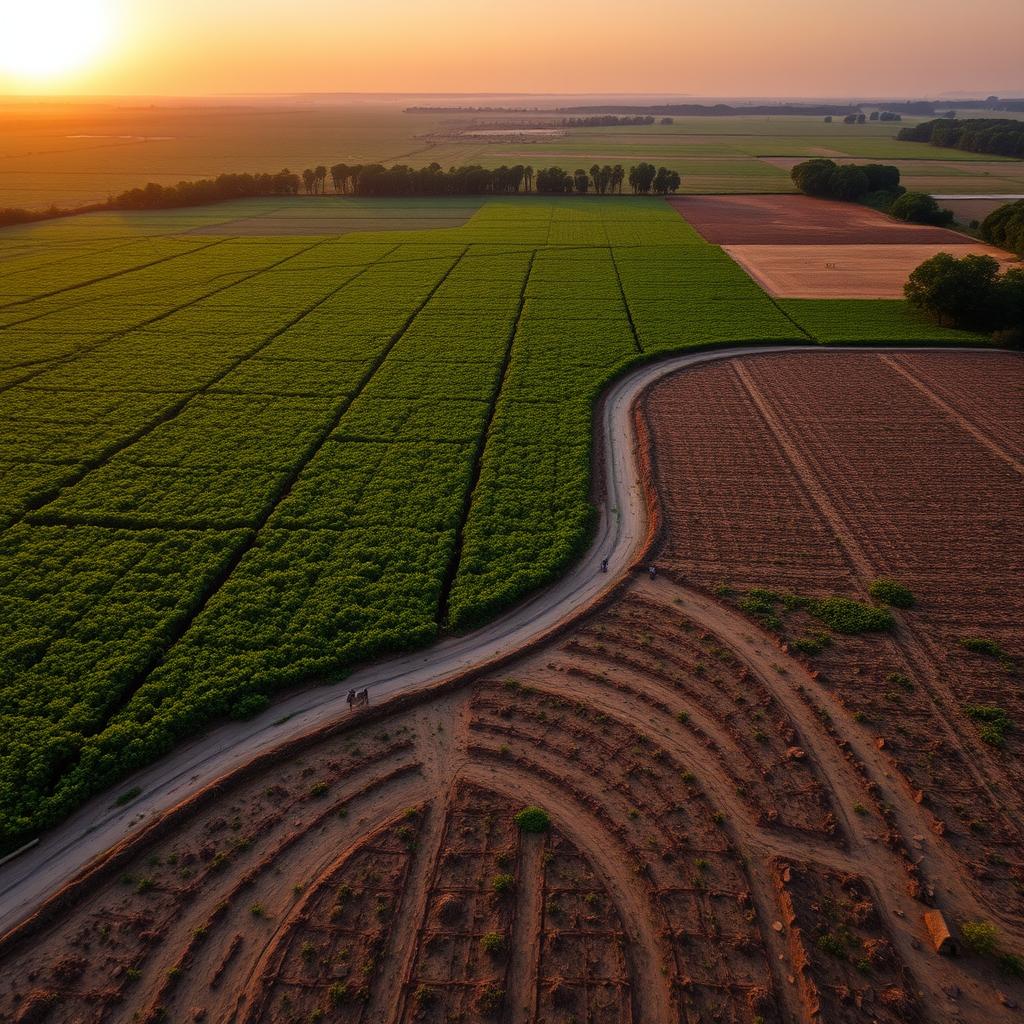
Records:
x=230, y=465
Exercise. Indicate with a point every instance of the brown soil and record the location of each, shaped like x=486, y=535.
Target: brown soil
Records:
x=740, y=833
x=843, y=271
x=800, y=220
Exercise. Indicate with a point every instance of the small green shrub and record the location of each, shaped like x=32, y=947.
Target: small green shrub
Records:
x=533, y=819
x=424, y=996
x=830, y=944
x=993, y=722
x=128, y=796
x=979, y=937
x=761, y=604
x=492, y=942
x=891, y=592
x=1011, y=965
x=490, y=999
x=844, y=615
x=982, y=645
x=811, y=643
x=503, y=883
x=900, y=680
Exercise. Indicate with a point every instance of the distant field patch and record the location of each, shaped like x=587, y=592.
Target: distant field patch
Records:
x=334, y=215
x=799, y=220
x=952, y=177
x=966, y=210
x=842, y=271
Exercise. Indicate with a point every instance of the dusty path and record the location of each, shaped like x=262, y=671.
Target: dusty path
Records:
x=621, y=537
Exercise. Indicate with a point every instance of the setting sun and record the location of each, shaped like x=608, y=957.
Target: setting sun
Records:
x=45, y=41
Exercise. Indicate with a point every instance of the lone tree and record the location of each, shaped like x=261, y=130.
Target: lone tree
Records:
x=533, y=819
x=961, y=293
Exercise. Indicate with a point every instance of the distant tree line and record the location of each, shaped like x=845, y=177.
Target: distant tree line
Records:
x=607, y=121
x=472, y=110
x=917, y=108
x=376, y=180
x=207, y=190
x=1000, y=136
x=10, y=215
x=432, y=180
x=716, y=109
x=875, y=115
x=643, y=179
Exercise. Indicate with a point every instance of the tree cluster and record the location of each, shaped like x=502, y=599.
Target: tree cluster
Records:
x=432, y=180
x=1000, y=136
x=849, y=182
x=920, y=208
x=1005, y=227
x=606, y=121
x=970, y=293
x=377, y=180
x=884, y=115
x=207, y=190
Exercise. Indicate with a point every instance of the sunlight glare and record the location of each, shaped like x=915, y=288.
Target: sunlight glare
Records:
x=41, y=41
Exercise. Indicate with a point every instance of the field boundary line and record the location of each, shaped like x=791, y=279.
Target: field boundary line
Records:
x=46, y=265
x=958, y=418
x=625, y=302
x=142, y=325
x=391, y=991
x=522, y=979
x=775, y=302
x=110, y=277
x=481, y=447
x=168, y=414
x=165, y=417
x=314, y=446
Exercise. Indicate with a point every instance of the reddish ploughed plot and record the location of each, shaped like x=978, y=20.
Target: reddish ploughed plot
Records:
x=800, y=220
x=811, y=476
x=843, y=271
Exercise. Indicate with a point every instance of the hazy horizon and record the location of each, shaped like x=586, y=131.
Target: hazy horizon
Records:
x=111, y=48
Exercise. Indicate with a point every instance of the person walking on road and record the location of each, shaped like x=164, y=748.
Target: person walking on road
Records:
x=604, y=565
x=653, y=570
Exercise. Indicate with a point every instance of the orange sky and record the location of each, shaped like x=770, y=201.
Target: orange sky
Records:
x=699, y=47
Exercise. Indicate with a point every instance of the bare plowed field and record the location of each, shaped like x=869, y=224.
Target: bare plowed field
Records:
x=800, y=220
x=738, y=831
x=844, y=271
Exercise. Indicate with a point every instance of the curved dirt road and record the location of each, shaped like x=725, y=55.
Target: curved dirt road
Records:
x=620, y=537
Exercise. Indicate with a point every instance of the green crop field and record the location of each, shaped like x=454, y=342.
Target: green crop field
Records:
x=231, y=464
